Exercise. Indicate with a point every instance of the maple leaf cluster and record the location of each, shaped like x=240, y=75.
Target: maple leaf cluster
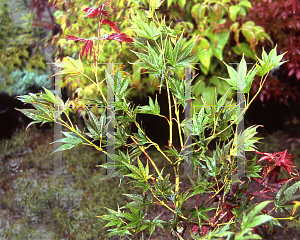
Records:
x=92, y=12
x=270, y=181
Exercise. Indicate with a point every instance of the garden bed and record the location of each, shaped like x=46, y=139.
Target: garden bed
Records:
x=35, y=204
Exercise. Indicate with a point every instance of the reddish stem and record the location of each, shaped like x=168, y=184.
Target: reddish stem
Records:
x=100, y=18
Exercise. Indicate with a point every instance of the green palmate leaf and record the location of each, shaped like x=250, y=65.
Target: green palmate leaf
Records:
x=140, y=137
x=140, y=173
x=200, y=213
x=151, y=109
x=184, y=62
x=135, y=218
x=146, y=61
x=120, y=85
x=49, y=95
x=172, y=152
x=71, y=140
x=164, y=187
x=186, y=49
x=177, y=48
x=139, y=201
x=37, y=115
x=184, y=196
x=118, y=167
x=241, y=74
x=141, y=26
x=201, y=186
x=45, y=107
x=199, y=121
x=269, y=62
x=70, y=66
x=97, y=127
x=156, y=58
x=253, y=219
x=232, y=81
x=245, y=140
x=254, y=169
x=178, y=90
x=254, y=212
x=119, y=232
x=114, y=218
x=285, y=194
x=213, y=166
x=155, y=223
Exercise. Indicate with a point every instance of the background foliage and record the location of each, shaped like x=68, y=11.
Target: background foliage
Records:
x=281, y=20
x=20, y=50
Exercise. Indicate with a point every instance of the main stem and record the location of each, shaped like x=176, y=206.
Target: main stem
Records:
x=170, y=115
x=100, y=18
x=178, y=121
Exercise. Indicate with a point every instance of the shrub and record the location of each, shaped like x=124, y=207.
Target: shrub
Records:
x=25, y=82
x=20, y=54
x=229, y=210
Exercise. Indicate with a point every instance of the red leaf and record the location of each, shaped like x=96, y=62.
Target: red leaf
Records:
x=298, y=74
x=254, y=230
x=291, y=72
x=87, y=47
x=204, y=230
x=261, y=97
x=280, y=159
x=120, y=37
x=93, y=11
x=70, y=37
x=111, y=24
x=195, y=228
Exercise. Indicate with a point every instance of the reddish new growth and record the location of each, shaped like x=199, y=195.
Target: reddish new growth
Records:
x=88, y=46
x=280, y=159
x=120, y=37
x=275, y=162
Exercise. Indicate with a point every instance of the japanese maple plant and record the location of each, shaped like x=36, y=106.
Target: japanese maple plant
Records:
x=228, y=210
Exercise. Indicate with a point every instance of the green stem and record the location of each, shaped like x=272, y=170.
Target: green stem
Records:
x=178, y=121
x=260, y=88
x=96, y=83
x=288, y=218
x=176, y=173
x=217, y=192
x=163, y=204
x=74, y=131
x=243, y=112
x=155, y=144
x=170, y=115
x=149, y=158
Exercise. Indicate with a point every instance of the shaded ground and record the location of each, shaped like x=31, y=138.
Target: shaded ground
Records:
x=35, y=204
